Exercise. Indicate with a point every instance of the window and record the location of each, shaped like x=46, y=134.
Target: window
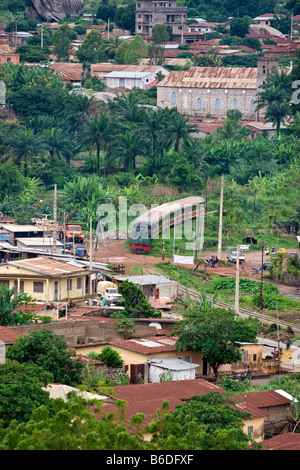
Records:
x=69, y=284
x=38, y=287
x=188, y=359
x=245, y=355
x=235, y=104
x=173, y=97
x=6, y=283
x=217, y=104
x=254, y=357
x=250, y=430
x=122, y=82
x=79, y=283
x=252, y=106
x=199, y=104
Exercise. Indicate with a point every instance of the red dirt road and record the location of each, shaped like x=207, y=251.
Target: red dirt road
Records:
x=118, y=255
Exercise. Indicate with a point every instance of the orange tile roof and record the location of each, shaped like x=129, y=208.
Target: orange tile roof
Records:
x=8, y=336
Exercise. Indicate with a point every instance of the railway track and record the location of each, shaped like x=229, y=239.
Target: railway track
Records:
x=242, y=312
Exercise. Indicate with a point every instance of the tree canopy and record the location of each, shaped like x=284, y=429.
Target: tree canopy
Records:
x=49, y=351
x=215, y=332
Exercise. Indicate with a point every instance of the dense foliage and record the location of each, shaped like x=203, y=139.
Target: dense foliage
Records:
x=215, y=332
x=50, y=352
x=21, y=391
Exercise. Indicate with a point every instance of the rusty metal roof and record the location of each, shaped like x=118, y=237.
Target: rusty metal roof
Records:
x=44, y=266
x=212, y=77
x=8, y=336
x=148, y=398
x=287, y=441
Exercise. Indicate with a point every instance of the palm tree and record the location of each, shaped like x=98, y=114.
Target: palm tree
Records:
x=23, y=144
x=179, y=128
x=111, y=46
x=275, y=98
x=128, y=110
x=58, y=143
x=96, y=132
x=155, y=127
x=229, y=130
x=84, y=193
x=127, y=148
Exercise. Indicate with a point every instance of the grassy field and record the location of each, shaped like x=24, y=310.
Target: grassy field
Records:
x=223, y=290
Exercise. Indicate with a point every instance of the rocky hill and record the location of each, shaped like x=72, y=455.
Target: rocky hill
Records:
x=55, y=10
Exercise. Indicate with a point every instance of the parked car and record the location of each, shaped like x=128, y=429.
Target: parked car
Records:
x=233, y=256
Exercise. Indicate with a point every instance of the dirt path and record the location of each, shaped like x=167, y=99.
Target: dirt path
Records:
x=118, y=254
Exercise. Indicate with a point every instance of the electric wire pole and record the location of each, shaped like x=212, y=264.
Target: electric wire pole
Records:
x=221, y=220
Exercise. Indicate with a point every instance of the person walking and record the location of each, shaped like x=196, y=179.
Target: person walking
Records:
x=243, y=267
x=249, y=373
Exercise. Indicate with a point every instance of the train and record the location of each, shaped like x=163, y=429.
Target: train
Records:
x=152, y=223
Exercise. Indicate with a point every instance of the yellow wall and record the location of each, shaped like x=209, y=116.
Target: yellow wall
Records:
x=258, y=428
x=132, y=357
x=49, y=287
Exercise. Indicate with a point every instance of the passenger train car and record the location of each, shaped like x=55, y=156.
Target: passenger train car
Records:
x=149, y=225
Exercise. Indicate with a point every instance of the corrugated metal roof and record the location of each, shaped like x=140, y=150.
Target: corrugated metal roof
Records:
x=146, y=346
x=22, y=228
x=286, y=441
x=127, y=75
x=212, y=77
x=172, y=363
x=45, y=266
x=145, y=280
x=38, y=241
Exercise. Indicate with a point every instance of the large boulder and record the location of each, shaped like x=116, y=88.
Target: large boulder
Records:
x=268, y=30
x=56, y=10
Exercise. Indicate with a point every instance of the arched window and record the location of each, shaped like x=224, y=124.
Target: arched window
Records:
x=173, y=97
x=217, y=104
x=199, y=104
x=235, y=104
x=252, y=105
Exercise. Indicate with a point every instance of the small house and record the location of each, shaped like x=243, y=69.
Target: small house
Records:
x=45, y=279
x=44, y=244
x=150, y=283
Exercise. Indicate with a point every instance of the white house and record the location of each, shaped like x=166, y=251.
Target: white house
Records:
x=129, y=80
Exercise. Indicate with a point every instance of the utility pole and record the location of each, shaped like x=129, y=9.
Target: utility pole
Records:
x=292, y=21
x=261, y=277
x=237, y=280
x=55, y=219
x=221, y=220
x=91, y=249
x=64, y=231
x=42, y=35
x=278, y=342
x=108, y=29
